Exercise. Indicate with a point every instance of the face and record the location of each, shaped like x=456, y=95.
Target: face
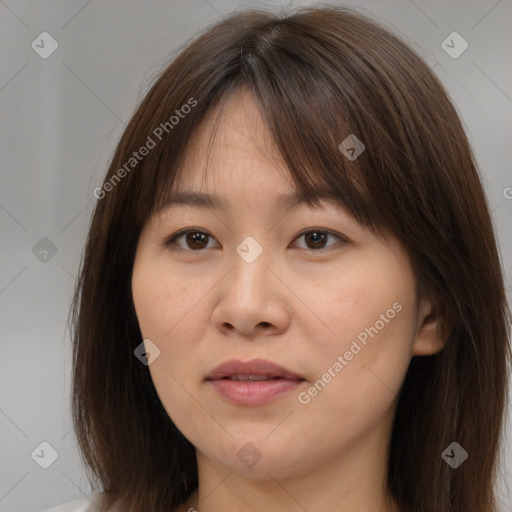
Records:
x=308, y=290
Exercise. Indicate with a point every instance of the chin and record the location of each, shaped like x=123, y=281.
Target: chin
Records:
x=262, y=457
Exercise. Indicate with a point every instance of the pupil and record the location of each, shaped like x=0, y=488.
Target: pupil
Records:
x=195, y=239
x=316, y=234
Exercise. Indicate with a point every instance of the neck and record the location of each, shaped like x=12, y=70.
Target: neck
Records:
x=354, y=480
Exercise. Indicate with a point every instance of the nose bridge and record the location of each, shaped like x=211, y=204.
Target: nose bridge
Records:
x=250, y=274
x=248, y=297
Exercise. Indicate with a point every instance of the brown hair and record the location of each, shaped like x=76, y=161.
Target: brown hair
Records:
x=318, y=75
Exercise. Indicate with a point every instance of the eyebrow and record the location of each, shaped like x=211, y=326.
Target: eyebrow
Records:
x=204, y=200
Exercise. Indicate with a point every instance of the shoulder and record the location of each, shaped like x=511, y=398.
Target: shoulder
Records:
x=85, y=504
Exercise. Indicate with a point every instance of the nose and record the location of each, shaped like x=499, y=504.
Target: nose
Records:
x=252, y=299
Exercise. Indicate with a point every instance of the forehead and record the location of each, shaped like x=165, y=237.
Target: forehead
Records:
x=233, y=134
x=232, y=165
x=232, y=155
x=282, y=202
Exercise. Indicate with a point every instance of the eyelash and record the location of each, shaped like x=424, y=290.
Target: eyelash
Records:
x=171, y=242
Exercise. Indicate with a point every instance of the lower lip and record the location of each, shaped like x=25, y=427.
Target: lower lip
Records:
x=254, y=392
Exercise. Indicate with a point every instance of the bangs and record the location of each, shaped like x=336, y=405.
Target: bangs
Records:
x=307, y=141
x=319, y=77
x=311, y=111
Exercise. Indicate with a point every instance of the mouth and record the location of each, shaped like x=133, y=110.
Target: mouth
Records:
x=256, y=382
x=254, y=378
x=253, y=370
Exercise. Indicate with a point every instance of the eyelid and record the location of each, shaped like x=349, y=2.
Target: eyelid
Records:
x=338, y=236
x=170, y=242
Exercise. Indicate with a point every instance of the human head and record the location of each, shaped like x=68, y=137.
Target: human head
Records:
x=317, y=76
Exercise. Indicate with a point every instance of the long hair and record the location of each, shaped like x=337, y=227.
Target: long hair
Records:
x=318, y=75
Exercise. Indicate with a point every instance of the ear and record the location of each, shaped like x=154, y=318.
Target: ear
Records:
x=430, y=335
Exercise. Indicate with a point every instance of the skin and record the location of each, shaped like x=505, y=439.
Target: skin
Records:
x=296, y=305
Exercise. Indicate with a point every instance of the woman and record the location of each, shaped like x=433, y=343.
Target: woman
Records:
x=291, y=297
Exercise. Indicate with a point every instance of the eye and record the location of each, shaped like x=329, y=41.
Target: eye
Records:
x=317, y=238
x=195, y=239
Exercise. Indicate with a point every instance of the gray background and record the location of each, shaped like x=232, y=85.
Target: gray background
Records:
x=60, y=120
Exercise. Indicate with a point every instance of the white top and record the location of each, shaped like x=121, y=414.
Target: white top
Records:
x=86, y=504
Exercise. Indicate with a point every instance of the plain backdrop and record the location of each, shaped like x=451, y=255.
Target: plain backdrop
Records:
x=61, y=117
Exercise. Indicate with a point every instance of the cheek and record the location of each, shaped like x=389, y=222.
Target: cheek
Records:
x=170, y=314
x=364, y=303
x=359, y=375
x=369, y=318
x=161, y=301
x=163, y=320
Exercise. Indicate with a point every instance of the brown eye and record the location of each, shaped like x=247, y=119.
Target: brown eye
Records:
x=194, y=240
x=316, y=239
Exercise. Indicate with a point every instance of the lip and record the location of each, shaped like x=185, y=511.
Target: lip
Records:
x=281, y=381
x=252, y=367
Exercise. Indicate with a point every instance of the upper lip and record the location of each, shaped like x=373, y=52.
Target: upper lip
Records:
x=252, y=367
